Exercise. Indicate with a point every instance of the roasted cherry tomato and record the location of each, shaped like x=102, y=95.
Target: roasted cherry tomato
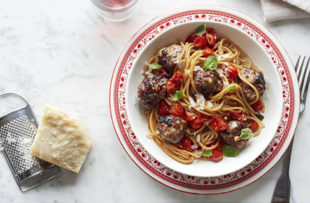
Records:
x=211, y=31
x=217, y=155
x=163, y=108
x=238, y=116
x=231, y=71
x=207, y=52
x=254, y=126
x=257, y=106
x=218, y=123
x=211, y=36
x=200, y=42
x=190, y=116
x=191, y=38
x=186, y=144
x=176, y=109
x=198, y=122
x=177, y=77
x=171, y=87
x=174, y=83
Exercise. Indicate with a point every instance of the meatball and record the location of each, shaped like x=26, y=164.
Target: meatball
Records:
x=171, y=128
x=151, y=90
x=233, y=130
x=256, y=79
x=168, y=57
x=234, y=127
x=207, y=82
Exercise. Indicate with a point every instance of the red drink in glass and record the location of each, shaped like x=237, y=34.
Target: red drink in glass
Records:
x=115, y=10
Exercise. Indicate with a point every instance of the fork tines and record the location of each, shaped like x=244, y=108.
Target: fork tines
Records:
x=302, y=69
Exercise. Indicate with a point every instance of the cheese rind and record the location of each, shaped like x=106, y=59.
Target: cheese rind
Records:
x=61, y=140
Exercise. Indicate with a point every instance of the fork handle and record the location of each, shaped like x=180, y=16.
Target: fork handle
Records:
x=283, y=187
x=282, y=191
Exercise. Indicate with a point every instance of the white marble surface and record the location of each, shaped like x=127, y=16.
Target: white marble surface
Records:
x=60, y=53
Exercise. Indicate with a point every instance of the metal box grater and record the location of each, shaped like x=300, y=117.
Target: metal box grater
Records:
x=18, y=128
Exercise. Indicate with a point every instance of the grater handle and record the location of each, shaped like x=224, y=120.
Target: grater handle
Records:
x=15, y=95
x=12, y=105
x=26, y=106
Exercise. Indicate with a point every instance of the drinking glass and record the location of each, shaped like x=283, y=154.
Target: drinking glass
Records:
x=115, y=10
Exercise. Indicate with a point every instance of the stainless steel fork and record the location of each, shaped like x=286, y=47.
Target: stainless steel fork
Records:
x=283, y=186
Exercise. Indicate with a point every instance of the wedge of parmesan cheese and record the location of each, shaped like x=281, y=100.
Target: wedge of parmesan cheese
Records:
x=61, y=140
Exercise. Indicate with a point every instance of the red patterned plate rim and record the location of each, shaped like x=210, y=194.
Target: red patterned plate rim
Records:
x=190, y=184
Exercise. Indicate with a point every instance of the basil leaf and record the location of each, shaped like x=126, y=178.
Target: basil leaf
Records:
x=155, y=66
x=207, y=153
x=231, y=89
x=211, y=63
x=246, y=133
x=230, y=151
x=177, y=96
x=201, y=29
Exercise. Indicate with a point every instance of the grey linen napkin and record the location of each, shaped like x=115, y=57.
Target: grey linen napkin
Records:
x=276, y=10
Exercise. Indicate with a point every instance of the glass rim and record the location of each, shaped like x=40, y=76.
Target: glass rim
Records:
x=103, y=6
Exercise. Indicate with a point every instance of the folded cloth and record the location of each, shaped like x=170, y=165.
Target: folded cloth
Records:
x=302, y=4
x=276, y=10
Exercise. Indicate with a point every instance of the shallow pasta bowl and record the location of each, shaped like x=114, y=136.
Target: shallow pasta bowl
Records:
x=280, y=98
x=272, y=97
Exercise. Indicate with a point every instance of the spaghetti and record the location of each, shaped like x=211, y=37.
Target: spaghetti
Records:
x=209, y=111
